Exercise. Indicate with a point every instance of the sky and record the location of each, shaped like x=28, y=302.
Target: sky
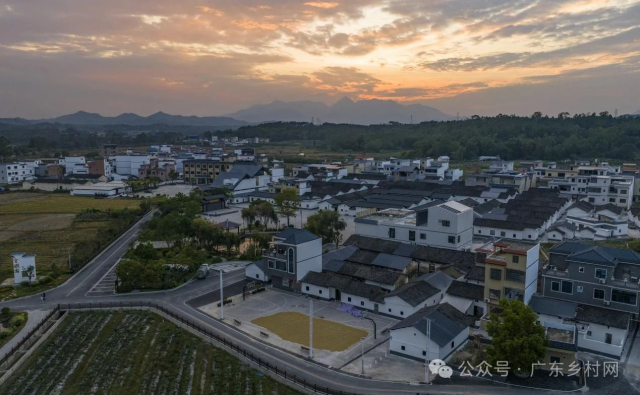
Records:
x=190, y=57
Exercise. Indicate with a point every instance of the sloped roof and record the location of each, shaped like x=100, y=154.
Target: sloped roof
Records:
x=595, y=255
x=611, y=207
x=414, y=292
x=476, y=273
x=553, y=307
x=295, y=236
x=341, y=254
x=446, y=322
x=466, y=290
x=440, y=280
x=602, y=316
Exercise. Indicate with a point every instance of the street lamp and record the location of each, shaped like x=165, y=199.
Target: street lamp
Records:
x=310, y=327
x=426, y=353
x=362, y=355
x=221, y=296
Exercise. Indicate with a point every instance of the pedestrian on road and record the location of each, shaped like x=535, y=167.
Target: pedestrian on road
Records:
x=43, y=296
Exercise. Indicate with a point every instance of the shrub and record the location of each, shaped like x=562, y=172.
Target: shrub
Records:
x=5, y=311
x=25, y=283
x=17, y=321
x=6, y=333
x=45, y=280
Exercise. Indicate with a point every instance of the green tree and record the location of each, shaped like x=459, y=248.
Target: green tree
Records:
x=287, y=204
x=328, y=225
x=173, y=175
x=265, y=212
x=517, y=337
x=249, y=215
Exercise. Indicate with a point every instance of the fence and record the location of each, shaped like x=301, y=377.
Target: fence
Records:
x=279, y=372
x=28, y=336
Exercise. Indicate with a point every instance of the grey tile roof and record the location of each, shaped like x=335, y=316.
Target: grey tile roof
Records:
x=602, y=316
x=414, y=292
x=259, y=264
x=446, y=322
x=611, y=207
x=553, y=307
x=476, y=273
x=594, y=254
x=391, y=261
x=440, y=280
x=364, y=272
x=295, y=236
x=466, y=290
x=341, y=254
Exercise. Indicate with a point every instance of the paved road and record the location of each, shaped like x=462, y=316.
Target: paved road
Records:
x=182, y=300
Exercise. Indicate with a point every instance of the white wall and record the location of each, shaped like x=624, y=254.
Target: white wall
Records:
x=309, y=258
x=321, y=292
x=397, y=307
x=255, y=273
x=415, y=341
x=360, y=302
x=596, y=341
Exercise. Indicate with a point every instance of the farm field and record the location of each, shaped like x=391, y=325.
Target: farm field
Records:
x=327, y=335
x=52, y=226
x=133, y=353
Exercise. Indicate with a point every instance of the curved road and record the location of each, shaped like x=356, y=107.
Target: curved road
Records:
x=76, y=288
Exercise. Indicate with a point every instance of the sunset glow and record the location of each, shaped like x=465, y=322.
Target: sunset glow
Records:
x=215, y=57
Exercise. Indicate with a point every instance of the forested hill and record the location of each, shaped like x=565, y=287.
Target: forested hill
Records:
x=511, y=137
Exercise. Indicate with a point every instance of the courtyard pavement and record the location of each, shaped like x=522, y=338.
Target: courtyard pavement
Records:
x=272, y=301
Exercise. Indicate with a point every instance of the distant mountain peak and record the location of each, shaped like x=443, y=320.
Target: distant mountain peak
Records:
x=345, y=110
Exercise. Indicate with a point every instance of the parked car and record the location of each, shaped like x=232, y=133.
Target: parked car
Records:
x=203, y=271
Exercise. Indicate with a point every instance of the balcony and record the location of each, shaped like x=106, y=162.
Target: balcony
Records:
x=625, y=284
x=556, y=273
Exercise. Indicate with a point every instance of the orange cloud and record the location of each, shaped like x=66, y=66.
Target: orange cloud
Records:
x=322, y=4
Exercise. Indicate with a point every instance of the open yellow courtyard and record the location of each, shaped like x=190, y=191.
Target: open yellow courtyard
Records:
x=327, y=335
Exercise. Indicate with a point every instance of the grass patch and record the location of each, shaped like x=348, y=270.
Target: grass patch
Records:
x=53, y=226
x=327, y=335
x=133, y=353
x=32, y=203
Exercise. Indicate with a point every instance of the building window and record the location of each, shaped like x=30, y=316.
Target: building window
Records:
x=601, y=273
x=402, y=313
x=362, y=303
x=514, y=235
x=452, y=344
x=412, y=235
x=258, y=276
x=291, y=262
x=579, y=288
x=598, y=294
x=423, y=236
x=424, y=353
x=307, y=287
x=623, y=200
x=515, y=259
x=282, y=266
x=349, y=299
x=402, y=348
x=494, y=294
x=581, y=269
x=389, y=310
x=555, y=286
x=496, y=274
x=392, y=233
x=503, y=234
x=320, y=291
x=567, y=287
x=271, y=264
x=623, y=297
x=458, y=238
x=445, y=223
x=452, y=239
x=492, y=232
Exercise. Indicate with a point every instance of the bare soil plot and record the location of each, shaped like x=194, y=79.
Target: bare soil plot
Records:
x=57, y=203
x=327, y=335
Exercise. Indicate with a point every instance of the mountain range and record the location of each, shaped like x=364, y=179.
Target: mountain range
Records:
x=87, y=118
x=363, y=112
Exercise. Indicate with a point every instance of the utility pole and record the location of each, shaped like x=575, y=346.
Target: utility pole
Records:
x=310, y=328
x=221, y=297
x=426, y=353
x=362, y=355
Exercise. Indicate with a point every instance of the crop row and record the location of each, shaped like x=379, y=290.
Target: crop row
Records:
x=134, y=353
